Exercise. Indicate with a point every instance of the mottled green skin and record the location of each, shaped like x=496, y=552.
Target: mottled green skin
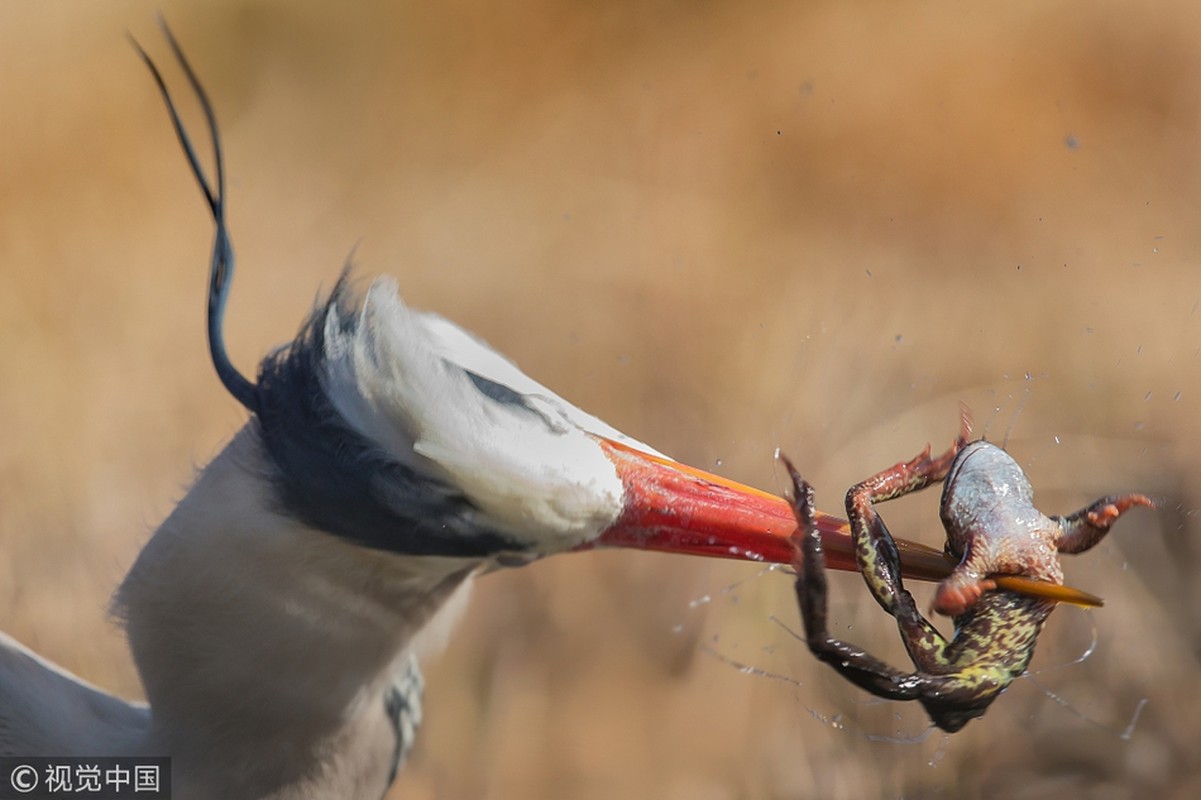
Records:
x=993, y=526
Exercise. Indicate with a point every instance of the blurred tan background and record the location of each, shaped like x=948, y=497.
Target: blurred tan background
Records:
x=725, y=228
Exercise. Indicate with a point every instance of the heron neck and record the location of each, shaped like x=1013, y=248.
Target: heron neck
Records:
x=269, y=647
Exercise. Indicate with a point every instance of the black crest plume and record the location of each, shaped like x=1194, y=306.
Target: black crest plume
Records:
x=221, y=270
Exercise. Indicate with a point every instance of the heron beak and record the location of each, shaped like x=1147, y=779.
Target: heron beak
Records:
x=674, y=508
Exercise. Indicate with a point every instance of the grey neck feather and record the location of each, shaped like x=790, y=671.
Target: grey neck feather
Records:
x=271, y=648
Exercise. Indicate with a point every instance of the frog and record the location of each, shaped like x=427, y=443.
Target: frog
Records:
x=992, y=528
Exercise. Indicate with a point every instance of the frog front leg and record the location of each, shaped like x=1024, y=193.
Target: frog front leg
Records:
x=1085, y=528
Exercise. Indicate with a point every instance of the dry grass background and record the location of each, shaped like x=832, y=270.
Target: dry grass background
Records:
x=722, y=227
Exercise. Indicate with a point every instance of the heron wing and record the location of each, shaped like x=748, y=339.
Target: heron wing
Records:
x=47, y=711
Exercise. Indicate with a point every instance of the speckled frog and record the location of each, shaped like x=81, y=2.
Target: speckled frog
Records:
x=993, y=529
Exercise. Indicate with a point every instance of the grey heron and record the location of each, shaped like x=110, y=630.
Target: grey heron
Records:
x=389, y=458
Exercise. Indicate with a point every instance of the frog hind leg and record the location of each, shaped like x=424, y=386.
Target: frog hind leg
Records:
x=875, y=549
x=856, y=665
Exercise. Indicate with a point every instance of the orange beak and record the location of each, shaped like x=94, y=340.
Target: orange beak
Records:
x=674, y=508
